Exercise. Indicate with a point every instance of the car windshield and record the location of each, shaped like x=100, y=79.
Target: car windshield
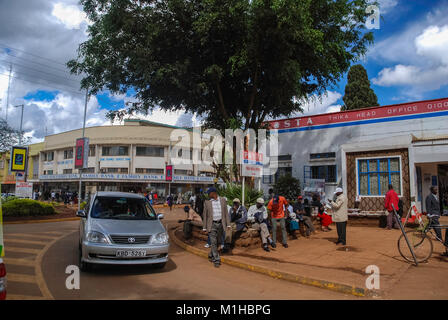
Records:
x=122, y=209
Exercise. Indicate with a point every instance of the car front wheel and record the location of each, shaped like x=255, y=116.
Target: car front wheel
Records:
x=83, y=266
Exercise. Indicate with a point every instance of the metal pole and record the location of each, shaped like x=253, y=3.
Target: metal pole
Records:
x=405, y=235
x=7, y=95
x=21, y=123
x=242, y=196
x=83, y=133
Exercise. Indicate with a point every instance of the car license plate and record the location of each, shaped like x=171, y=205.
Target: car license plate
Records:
x=131, y=253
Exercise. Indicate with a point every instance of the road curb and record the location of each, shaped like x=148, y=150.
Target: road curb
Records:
x=41, y=221
x=333, y=286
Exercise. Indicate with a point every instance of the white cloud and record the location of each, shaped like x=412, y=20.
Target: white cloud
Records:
x=386, y=5
x=322, y=104
x=70, y=15
x=431, y=70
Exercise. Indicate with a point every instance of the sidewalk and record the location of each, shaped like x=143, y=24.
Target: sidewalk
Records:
x=318, y=258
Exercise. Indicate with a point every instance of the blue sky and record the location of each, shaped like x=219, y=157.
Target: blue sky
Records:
x=408, y=62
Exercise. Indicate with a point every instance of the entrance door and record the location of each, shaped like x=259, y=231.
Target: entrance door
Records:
x=443, y=187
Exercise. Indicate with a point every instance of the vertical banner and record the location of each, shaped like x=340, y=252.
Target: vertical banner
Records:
x=2, y=251
x=169, y=173
x=82, y=153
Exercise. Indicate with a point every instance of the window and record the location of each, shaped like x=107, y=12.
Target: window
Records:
x=91, y=151
x=48, y=172
x=325, y=155
x=48, y=156
x=149, y=171
x=114, y=170
x=2, y=164
x=88, y=170
x=267, y=180
x=68, y=154
x=115, y=151
x=183, y=172
x=150, y=152
x=374, y=176
x=206, y=174
x=324, y=172
x=67, y=171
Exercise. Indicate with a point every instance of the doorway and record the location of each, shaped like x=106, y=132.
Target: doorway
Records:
x=442, y=172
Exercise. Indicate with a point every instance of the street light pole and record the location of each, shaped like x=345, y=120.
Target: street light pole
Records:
x=83, y=133
x=21, y=123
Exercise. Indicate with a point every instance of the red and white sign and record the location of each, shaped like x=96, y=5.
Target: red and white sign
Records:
x=363, y=114
x=169, y=173
x=82, y=153
x=24, y=190
x=252, y=165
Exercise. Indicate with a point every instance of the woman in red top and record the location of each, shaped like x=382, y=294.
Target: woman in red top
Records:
x=325, y=219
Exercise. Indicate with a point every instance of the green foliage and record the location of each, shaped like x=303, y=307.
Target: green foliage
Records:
x=231, y=61
x=10, y=198
x=358, y=93
x=232, y=191
x=288, y=186
x=9, y=136
x=27, y=207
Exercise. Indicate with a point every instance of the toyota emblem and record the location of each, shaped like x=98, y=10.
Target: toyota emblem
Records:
x=131, y=240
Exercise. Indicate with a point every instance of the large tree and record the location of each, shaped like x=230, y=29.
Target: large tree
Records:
x=231, y=61
x=358, y=93
x=9, y=137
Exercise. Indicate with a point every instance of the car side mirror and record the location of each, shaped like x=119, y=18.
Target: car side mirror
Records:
x=81, y=214
x=160, y=216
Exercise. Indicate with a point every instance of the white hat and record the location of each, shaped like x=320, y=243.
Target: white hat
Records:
x=338, y=190
x=260, y=200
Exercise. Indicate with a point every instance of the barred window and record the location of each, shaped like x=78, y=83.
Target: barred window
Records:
x=374, y=176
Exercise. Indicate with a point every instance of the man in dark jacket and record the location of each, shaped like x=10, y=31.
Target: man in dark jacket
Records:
x=238, y=219
x=433, y=213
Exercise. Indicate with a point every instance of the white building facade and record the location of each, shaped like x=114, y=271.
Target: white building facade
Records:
x=363, y=151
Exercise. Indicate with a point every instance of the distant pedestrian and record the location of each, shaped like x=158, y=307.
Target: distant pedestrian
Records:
x=169, y=201
x=179, y=198
x=340, y=215
x=216, y=222
x=199, y=203
x=390, y=200
x=53, y=196
x=276, y=208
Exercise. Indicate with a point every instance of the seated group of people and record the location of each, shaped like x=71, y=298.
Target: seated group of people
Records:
x=263, y=219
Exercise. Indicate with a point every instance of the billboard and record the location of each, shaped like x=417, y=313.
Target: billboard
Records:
x=19, y=159
x=82, y=153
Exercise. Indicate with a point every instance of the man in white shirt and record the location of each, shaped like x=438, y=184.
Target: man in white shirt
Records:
x=216, y=222
x=257, y=217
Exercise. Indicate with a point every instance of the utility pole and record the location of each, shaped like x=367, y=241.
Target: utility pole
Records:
x=21, y=123
x=7, y=95
x=83, y=133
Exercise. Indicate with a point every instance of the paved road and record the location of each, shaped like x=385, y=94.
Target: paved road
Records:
x=37, y=256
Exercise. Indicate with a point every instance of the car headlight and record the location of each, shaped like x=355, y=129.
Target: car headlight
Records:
x=160, y=238
x=97, y=237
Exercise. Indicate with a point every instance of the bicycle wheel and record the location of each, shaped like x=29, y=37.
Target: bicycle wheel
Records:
x=421, y=244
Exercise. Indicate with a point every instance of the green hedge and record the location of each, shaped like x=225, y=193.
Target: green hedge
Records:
x=27, y=207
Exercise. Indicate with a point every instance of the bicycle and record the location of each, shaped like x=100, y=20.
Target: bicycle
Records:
x=420, y=240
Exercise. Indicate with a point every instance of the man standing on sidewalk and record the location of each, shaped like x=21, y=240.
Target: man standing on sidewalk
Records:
x=433, y=213
x=276, y=207
x=391, y=199
x=216, y=222
x=340, y=215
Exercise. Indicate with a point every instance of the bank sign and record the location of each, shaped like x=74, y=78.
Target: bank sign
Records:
x=133, y=177
x=406, y=111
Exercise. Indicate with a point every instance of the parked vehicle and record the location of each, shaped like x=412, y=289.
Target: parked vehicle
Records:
x=121, y=228
x=2, y=280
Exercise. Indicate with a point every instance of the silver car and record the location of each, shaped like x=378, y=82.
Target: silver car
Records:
x=121, y=228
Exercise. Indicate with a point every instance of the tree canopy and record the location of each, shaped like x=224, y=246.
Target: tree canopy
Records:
x=358, y=93
x=9, y=137
x=287, y=186
x=231, y=61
